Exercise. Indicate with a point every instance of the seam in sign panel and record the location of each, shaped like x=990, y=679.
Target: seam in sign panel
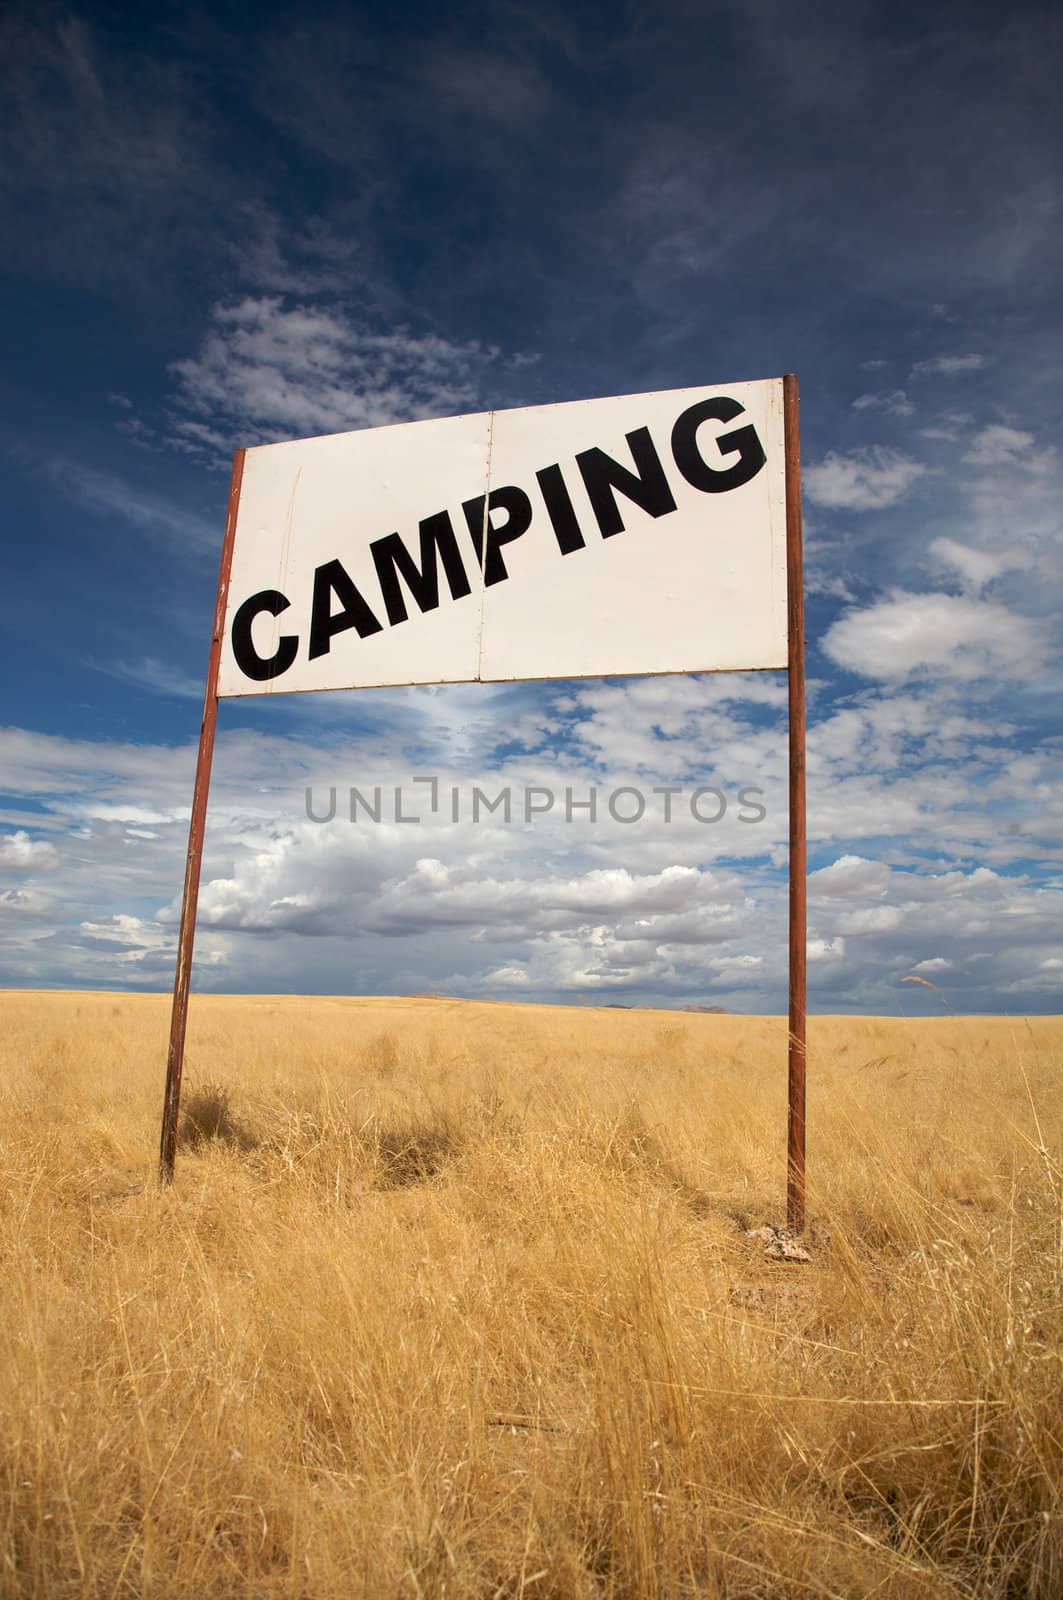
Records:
x=282, y=576
x=485, y=525
x=777, y=428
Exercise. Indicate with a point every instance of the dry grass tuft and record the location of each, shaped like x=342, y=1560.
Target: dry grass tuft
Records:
x=207, y=1115
x=455, y=1300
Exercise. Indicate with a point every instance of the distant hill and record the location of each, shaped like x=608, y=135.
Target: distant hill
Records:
x=709, y=1011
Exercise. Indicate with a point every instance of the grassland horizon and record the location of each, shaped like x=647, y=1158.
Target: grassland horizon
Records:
x=458, y=1298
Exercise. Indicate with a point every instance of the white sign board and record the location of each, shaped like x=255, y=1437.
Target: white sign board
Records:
x=640, y=534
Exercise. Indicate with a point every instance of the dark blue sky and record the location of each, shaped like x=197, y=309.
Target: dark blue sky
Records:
x=234, y=226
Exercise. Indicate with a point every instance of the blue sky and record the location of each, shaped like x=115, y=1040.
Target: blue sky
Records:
x=231, y=226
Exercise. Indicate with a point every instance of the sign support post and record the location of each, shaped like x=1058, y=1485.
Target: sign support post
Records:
x=798, y=867
x=196, y=829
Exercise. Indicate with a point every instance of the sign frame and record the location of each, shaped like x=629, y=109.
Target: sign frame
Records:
x=798, y=856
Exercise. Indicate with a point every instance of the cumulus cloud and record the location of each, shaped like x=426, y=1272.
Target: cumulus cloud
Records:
x=26, y=901
x=820, y=950
x=848, y=877
x=870, y=919
x=435, y=893
x=865, y=480
x=316, y=882
x=21, y=850
x=652, y=913
x=960, y=910
x=954, y=636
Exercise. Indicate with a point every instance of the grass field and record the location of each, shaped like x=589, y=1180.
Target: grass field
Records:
x=455, y=1299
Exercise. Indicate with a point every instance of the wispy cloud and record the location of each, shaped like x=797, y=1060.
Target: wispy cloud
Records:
x=493, y=87
x=948, y=366
x=111, y=496
x=1001, y=446
x=865, y=480
x=270, y=369
x=976, y=568
x=153, y=675
x=107, y=151
x=896, y=403
x=950, y=426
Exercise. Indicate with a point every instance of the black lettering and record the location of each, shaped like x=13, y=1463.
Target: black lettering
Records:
x=334, y=579
x=251, y=664
x=692, y=464
x=515, y=503
x=648, y=487
x=392, y=560
x=562, y=513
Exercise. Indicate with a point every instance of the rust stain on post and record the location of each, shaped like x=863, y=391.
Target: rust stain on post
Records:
x=196, y=830
x=795, y=627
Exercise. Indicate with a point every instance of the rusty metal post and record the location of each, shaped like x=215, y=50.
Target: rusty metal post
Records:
x=795, y=628
x=196, y=829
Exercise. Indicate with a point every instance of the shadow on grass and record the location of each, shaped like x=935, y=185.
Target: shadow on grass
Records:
x=207, y=1118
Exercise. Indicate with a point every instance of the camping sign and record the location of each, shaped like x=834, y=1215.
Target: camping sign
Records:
x=645, y=533
x=638, y=534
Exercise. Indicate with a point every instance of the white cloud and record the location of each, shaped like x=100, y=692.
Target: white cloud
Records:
x=818, y=581
x=948, y=366
x=136, y=950
x=132, y=813
x=976, y=568
x=438, y=893
x=848, y=877
x=124, y=929
x=20, y=850
x=870, y=919
x=954, y=636
x=507, y=977
x=267, y=369
x=821, y=950
x=896, y=403
x=865, y=480
x=949, y=427
x=647, y=913
x=1001, y=446
x=283, y=255
x=25, y=901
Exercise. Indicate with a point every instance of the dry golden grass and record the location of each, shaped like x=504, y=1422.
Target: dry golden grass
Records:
x=455, y=1300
